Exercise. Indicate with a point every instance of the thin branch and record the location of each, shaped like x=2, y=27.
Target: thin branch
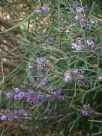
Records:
x=2, y=72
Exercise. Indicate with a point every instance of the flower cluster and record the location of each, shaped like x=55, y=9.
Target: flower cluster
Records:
x=56, y=94
x=77, y=45
x=30, y=96
x=44, y=9
x=68, y=77
x=80, y=43
x=33, y=98
x=80, y=16
x=90, y=43
x=14, y=115
x=70, y=74
x=86, y=110
x=16, y=94
x=40, y=69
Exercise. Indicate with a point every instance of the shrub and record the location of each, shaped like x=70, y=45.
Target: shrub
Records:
x=61, y=76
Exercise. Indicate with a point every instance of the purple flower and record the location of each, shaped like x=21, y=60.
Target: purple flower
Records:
x=77, y=47
x=77, y=17
x=17, y=90
x=57, y=92
x=30, y=91
x=100, y=78
x=81, y=82
x=88, y=26
x=82, y=23
x=16, y=114
x=61, y=97
x=39, y=64
x=10, y=118
x=22, y=94
x=45, y=9
x=58, y=97
x=79, y=9
x=32, y=101
x=40, y=97
x=9, y=94
x=3, y=117
x=85, y=113
x=39, y=67
x=86, y=110
x=32, y=68
x=17, y=97
x=68, y=79
x=79, y=73
x=90, y=43
x=42, y=82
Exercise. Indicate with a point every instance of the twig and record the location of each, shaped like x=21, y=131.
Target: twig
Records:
x=2, y=72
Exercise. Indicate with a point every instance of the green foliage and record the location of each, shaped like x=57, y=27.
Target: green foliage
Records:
x=51, y=38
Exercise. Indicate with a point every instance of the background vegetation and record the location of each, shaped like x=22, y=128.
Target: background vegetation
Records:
x=51, y=52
